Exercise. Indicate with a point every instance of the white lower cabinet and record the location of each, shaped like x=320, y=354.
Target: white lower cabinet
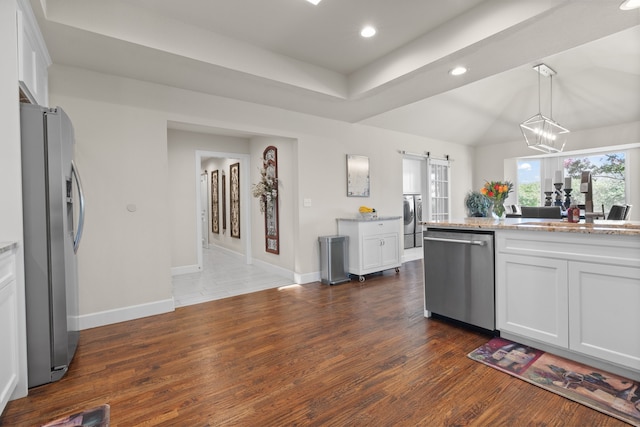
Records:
x=533, y=298
x=8, y=328
x=374, y=245
x=577, y=292
x=604, y=312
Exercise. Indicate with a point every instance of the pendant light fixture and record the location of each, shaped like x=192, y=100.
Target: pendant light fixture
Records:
x=543, y=133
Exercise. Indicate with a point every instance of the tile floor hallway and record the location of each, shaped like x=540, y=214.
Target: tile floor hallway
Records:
x=224, y=274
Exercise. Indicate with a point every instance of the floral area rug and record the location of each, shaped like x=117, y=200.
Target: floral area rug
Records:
x=94, y=417
x=603, y=391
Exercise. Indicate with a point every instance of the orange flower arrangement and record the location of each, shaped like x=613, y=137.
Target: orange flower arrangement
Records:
x=497, y=192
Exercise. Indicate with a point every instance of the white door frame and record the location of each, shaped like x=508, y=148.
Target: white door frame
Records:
x=245, y=200
x=204, y=210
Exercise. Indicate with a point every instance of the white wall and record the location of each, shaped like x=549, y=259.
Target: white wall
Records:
x=10, y=169
x=287, y=203
x=223, y=237
x=124, y=258
x=121, y=129
x=412, y=179
x=494, y=162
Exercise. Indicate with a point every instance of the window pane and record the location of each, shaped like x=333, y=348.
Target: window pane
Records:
x=439, y=189
x=607, y=175
x=528, y=189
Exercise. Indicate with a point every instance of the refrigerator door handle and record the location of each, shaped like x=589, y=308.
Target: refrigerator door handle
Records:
x=76, y=175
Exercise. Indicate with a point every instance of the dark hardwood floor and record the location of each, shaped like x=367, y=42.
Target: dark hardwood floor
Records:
x=346, y=355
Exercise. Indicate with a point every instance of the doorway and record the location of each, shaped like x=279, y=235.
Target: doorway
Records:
x=245, y=202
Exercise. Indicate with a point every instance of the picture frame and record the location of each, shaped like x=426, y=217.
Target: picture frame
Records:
x=215, y=203
x=357, y=176
x=271, y=221
x=224, y=202
x=234, y=198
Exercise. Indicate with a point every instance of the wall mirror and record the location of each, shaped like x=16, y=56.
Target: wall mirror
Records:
x=357, y=176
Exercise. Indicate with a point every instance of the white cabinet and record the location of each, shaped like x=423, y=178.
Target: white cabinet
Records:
x=604, y=312
x=9, y=369
x=374, y=245
x=33, y=57
x=532, y=298
x=578, y=292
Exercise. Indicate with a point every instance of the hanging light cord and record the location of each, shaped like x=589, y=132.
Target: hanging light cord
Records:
x=551, y=97
x=539, y=107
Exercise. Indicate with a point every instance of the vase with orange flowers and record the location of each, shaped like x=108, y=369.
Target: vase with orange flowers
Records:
x=497, y=192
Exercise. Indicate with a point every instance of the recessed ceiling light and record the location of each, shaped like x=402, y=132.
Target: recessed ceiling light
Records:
x=368, y=31
x=630, y=4
x=314, y=2
x=458, y=71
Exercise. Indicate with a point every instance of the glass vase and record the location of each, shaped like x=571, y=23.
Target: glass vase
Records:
x=497, y=210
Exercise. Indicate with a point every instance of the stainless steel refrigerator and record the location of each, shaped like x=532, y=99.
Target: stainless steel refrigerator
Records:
x=53, y=215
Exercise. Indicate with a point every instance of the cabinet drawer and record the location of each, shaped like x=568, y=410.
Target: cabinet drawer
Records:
x=379, y=227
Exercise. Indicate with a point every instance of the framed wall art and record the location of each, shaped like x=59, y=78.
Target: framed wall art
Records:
x=224, y=202
x=357, y=176
x=215, y=203
x=271, y=225
x=234, y=193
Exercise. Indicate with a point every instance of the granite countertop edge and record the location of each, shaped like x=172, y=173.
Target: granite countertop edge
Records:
x=380, y=218
x=622, y=228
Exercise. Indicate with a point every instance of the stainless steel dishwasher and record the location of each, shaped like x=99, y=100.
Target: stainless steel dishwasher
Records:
x=459, y=275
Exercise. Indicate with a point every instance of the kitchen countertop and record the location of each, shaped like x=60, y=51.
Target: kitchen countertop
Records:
x=625, y=228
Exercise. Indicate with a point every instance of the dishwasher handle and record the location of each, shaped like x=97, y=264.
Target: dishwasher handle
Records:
x=466, y=242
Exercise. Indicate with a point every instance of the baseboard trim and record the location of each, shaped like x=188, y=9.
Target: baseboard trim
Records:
x=108, y=317
x=301, y=279
x=185, y=269
x=274, y=269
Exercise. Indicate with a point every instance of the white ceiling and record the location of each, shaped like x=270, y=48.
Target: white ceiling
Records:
x=311, y=59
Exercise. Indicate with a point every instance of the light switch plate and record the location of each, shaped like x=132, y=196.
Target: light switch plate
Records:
x=306, y=203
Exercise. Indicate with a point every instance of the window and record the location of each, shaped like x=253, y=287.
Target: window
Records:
x=608, y=174
x=528, y=187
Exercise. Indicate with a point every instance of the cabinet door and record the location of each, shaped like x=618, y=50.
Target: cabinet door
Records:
x=9, y=340
x=531, y=297
x=390, y=250
x=371, y=252
x=604, y=309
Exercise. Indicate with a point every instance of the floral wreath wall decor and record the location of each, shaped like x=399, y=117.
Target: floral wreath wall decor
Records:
x=266, y=191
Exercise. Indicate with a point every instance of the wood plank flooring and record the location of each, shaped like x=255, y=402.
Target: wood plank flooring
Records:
x=353, y=354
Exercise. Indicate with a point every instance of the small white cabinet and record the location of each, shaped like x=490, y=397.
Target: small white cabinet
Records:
x=578, y=292
x=9, y=369
x=374, y=245
x=33, y=57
